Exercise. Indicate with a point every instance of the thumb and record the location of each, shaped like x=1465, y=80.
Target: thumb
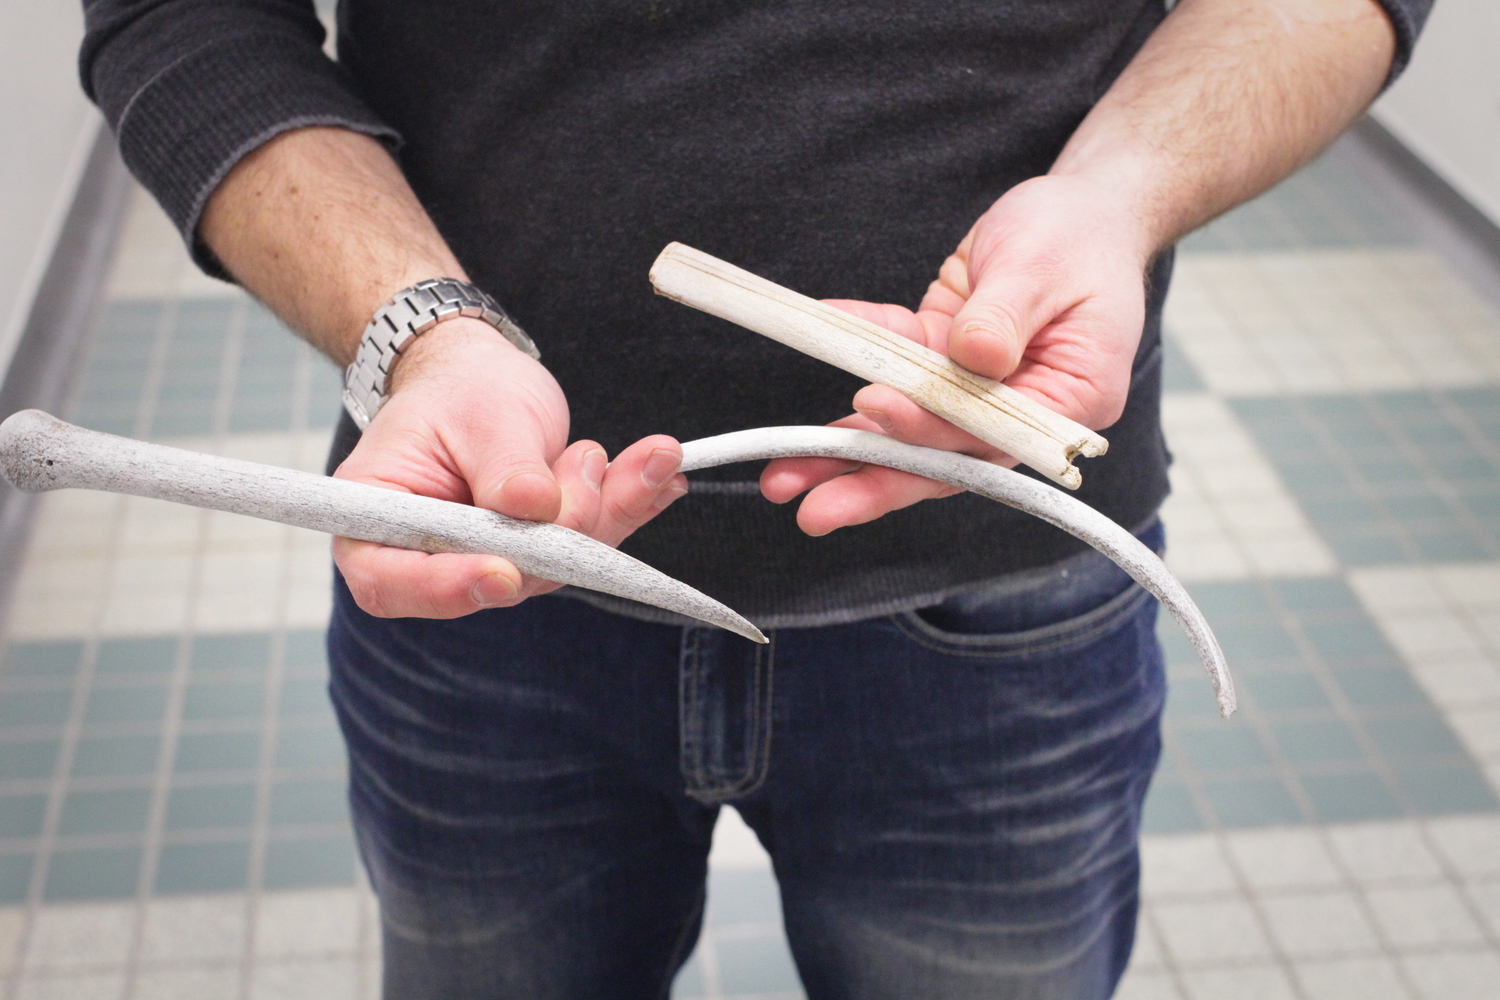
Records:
x=512, y=474
x=989, y=333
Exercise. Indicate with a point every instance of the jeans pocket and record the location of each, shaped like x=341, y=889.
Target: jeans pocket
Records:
x=1076, y=630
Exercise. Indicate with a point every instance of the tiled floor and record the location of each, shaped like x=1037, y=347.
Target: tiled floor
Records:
x=171, y=817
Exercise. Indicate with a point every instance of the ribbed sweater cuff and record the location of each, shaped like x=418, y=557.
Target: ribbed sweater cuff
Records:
x=184, y=131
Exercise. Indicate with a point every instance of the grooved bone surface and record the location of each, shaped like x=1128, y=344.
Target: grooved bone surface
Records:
x=42, y=453
x=997, y=483
x=990, y=410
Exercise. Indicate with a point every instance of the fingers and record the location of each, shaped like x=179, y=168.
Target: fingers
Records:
x=863, y=496
x=640, y=483
x=399, y=583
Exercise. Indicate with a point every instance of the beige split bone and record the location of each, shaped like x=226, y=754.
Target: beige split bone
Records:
x=991, y=411
x=39, y=452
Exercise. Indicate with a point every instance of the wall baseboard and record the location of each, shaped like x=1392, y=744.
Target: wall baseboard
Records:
x=44, y=369
x=1441, y=216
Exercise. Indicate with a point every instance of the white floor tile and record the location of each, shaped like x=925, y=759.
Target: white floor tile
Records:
x=1470, y=843
x=12, y=926
x=1204, y=932
x=1455, y=975
x=306, y=979
x=1374, y=852
x=1147, y=985
x=1184, y=864
x=1352, y=979
x=192, y=929
x=1319, y=925
x=81, y=935
x=190, y=982
x=311, y=922
x=1255, y=982
x=1283, y=858
x=1424, y=916
x=82, y=986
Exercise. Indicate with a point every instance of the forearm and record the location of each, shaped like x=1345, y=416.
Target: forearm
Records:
x=321, y=225
x=1226, y=98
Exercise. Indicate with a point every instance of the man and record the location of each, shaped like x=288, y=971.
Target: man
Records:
x=950, y=771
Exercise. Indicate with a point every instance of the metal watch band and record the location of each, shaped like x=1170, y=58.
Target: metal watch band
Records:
x=410, y=313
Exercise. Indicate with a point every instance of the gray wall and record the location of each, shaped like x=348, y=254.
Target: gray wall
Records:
x=1446, y=109
x=48, y=129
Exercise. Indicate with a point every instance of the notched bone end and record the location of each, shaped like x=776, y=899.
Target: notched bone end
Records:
x=1090, y=447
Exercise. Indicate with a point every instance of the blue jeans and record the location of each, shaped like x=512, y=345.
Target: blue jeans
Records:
x=951, y=797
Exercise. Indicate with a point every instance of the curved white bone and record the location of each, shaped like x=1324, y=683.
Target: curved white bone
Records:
x=995, y=482
x=40, y=452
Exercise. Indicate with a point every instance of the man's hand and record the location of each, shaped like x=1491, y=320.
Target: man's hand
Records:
x=1046, y=292
x=472, y=419
x=321, y=225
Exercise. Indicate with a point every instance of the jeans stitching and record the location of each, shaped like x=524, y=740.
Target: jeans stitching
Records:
x=758, y=718
x=1015, y=645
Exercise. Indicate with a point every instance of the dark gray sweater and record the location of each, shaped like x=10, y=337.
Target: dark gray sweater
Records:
x=839, y=148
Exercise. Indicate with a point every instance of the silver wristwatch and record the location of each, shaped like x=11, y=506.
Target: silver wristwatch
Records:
x=410, y=313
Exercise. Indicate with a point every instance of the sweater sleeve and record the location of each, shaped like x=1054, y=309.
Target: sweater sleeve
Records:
x=1407, y=17
x=192, y=86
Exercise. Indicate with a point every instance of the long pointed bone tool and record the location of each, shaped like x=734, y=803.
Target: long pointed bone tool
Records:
x=990, y=410
x=38, y=452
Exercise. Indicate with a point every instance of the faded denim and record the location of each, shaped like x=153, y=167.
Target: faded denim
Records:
x=951, y=797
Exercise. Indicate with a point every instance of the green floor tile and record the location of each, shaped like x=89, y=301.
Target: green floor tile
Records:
x=1346, y=798
x=34, y=708
x=1251, y=802
x=206, y=699
x=109, y=873
x=1285, y=691
x=756, y=965
x=42, y=659
x=1314, y=595
x=134, y=703
x=689, y=982
x=1317, y=741
x=15, y=877
x=742, y=896
x=1366, y=551
x=1169, y=809
x=217, y=752
x=1455, y=789
x=105, y=755
x=1407, y=736
x=320, y=801
x=322, y=746
x=1383, y=687
x=305, y=862
x=23, y=760
x=153, y=655
x=246, y=650
x=1250, y=645
x=305, y=696
x=306, y=648
x=21, y=815
x=209, y=807
x=1454, y=546
x=1349, y=641
x=202, y=868
x=121, y=810
x=1178, y=373
x=1226, y=602
x=1221, y=746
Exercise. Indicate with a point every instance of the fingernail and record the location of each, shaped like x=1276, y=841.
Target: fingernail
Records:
x=594, y=465
x=881, y=418
x=493, y=590
x=665, y=498
x=981, y=330
x=661, y=466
